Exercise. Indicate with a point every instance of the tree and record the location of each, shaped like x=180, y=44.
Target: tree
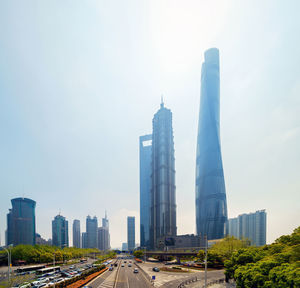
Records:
x=138, y=253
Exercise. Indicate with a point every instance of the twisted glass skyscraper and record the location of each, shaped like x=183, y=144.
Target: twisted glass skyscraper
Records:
x=211, y=207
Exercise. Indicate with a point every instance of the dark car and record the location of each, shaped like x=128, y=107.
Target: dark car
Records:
x=155, y=269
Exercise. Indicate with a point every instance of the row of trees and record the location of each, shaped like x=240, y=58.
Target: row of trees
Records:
x=44, y=254
x=276, y=265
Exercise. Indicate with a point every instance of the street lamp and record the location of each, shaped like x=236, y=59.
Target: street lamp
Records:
x=8, y=251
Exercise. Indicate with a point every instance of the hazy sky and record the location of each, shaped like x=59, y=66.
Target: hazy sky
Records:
x=81, y=80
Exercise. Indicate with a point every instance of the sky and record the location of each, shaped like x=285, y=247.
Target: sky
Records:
x=80, y=81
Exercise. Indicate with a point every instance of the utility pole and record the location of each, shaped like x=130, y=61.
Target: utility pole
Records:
x=205, y=239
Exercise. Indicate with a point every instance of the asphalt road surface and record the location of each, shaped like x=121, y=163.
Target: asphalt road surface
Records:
x=121, y=277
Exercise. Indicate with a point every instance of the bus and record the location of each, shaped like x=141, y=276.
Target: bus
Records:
x=47, y=270
x=26, y=269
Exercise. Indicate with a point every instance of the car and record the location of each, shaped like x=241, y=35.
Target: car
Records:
x=155, y=269
x=124, y=261
x=116, y=264
x=129, y=265
x=135, y=270
x=122, y=265
x=25, y=285
x=111, y=268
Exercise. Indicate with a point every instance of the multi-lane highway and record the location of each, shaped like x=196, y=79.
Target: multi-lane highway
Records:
x=121, y=277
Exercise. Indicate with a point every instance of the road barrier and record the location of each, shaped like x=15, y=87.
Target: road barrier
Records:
x=145, y=274
x=188, y=281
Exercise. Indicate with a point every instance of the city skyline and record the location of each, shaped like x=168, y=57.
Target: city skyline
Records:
x=76, y=95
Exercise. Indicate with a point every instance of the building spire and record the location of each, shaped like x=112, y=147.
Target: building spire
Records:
x=162, y=105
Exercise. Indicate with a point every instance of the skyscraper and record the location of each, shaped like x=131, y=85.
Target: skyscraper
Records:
x=21, y=222
x=103, y=239
x=145, y=188
x=83, y=240
x=252, y=226
x=76, y=233
x=131, y=233
x=60, y=232
x=211, y=207
x=103, y=235
x=91, y=232
x=163, y=202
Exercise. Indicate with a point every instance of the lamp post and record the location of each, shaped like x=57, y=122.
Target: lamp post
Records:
x=8, y=251
x=205, y=239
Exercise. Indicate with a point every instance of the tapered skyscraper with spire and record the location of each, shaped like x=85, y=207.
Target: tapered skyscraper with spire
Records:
x=163, y=201
x=211, y=207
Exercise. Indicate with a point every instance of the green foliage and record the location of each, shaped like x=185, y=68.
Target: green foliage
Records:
x=45, y=254
x=138, y=253
x=276, y=265
x=221, y=251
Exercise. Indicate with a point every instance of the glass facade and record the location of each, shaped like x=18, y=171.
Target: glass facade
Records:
x=60, y=232
x=252, y=226
x=211, y=207
x=131, y=233
x=76, y=233
x=21, y=222
x=91, y=232
x=163, y=202
x=145, y=188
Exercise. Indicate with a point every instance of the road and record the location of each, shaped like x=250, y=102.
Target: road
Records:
x=121, y=277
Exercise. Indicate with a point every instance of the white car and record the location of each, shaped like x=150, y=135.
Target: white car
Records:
x=135, y=270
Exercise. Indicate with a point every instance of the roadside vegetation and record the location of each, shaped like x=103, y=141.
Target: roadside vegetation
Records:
x=44, y=254
x=271, y=266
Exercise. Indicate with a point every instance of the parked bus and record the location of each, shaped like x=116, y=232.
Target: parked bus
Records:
x=29, y=268
x=47, y=270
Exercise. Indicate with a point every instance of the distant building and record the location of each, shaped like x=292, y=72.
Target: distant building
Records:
x=60, y=232
x=41, y=241
x=124, y=247
x=92, y=232
x=105, y=222
x=163, y=198
x=103, y=239
x=103, y=235
x=76, y=233
x=211, y=205
x=131, y=233
x=21, y=222
x=84, y=240
x=252, y=226
x=145, y=188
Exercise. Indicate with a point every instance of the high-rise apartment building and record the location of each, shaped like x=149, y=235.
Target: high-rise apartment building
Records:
x=163, y=202
x=131, y=233
x=105, y=222
x=60, y=232
x=252, y=226
x=91, y=232
x=145, y=188
x=21, y=222
x=211, y=205
x=76, y=234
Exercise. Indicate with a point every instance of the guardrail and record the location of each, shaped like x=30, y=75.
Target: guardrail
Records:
x=145, y=274
x=218, y=281
x=188, y=281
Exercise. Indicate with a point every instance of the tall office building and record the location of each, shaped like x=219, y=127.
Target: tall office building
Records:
x=21, y=222
x=103, y=235
x=145, y=188
x=105, y=222
x=163, y=202
x=131, y=233
x=103, y=239
x=252, y=226
x=83, y=240
x=211, y=207
x=76, y=233
x=92, y=232
x=60, y=232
